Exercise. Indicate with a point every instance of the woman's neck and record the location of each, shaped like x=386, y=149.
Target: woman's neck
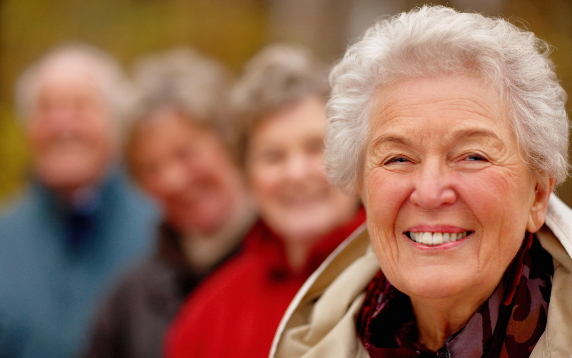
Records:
x=297, y=253
x=438, y=319
x=299, y=245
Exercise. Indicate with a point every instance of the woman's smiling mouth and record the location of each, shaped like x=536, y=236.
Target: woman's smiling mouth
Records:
x=436, y=238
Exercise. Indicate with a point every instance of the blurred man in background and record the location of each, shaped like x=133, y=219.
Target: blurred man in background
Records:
x=80, y=223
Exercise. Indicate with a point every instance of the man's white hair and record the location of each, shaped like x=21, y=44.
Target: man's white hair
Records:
x=436, y=40
x=105, y=71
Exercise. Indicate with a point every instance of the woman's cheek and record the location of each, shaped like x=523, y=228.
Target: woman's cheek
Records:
x=263, y=179
x=386, y=191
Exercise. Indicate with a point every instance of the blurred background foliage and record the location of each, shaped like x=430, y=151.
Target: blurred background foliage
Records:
x=230, y=30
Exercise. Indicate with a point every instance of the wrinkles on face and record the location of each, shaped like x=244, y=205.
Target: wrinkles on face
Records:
x=442, y=156
x=385, y=238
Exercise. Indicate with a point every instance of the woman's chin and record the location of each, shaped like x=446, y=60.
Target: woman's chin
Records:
x=435, y=285
x=293, y=231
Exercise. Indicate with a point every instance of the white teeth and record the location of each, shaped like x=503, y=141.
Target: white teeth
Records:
x=436, y=238
x=427, y=238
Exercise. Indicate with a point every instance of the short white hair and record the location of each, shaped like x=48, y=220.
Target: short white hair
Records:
x=278, y=76
x=187, y=81
x=434, y=40
x=105, y=71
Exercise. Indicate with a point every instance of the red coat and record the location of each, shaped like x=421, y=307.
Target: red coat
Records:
x=236, y=312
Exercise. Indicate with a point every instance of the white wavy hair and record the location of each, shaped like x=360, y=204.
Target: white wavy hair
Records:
x=276, y=77
x=434, y=40
x=105, y=71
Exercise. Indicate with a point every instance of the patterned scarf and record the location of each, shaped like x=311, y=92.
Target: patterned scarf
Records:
x=507, y=325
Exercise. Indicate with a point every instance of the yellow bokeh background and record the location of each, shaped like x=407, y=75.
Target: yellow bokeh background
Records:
x=230, y=30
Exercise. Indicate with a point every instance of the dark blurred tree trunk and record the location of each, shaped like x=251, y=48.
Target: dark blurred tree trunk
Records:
x=321, y=25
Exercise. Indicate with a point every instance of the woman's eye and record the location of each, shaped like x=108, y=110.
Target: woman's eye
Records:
x=182, y=153
x=397, y=160
x=315, y=146
x=475, y=157
x=272, y=156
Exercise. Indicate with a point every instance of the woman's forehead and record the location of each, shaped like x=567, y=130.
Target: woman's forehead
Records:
x=455, y=108
x=435, y=90
x=436, y=96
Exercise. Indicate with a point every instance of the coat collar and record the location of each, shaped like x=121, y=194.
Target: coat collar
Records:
x=320, y=321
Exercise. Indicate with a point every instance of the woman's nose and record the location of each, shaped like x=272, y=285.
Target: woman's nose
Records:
x=298, y=166
x=433, y=187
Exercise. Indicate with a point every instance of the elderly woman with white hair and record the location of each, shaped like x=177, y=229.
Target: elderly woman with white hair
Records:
x=452, y=128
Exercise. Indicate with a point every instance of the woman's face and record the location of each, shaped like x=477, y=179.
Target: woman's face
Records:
x=442, y=163
x=285, y=171
x=187, y=169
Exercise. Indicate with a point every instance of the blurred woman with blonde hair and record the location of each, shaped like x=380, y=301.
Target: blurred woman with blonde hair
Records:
x=280, y=103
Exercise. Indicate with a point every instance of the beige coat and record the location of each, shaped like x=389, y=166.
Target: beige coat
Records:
x=320, y=321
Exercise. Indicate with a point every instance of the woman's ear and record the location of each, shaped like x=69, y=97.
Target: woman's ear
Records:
x=542, y=191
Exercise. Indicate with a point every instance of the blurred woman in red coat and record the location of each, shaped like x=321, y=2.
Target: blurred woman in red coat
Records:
x=280, y=100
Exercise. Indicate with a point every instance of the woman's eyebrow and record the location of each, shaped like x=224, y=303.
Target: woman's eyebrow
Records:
x=475, y=132
x=462, y=134
x=391, y=138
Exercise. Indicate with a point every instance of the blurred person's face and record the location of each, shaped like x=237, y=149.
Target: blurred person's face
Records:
x=285, y=171
x=70, y=131
x=187, y=169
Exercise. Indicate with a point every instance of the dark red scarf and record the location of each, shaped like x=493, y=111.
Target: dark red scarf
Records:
x=508, y=325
